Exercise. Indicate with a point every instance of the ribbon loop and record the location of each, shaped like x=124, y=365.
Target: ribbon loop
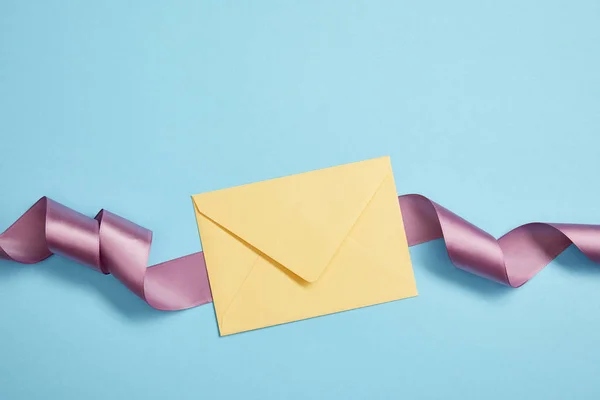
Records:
x=111, y=245
x=114, y=245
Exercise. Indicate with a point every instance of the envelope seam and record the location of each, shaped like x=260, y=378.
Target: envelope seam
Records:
x=226, y=309
x=237, y=292
x=354, y=224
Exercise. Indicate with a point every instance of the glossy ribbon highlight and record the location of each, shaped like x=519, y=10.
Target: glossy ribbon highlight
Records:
x=113, y=245
x=108, y=244
x=511, y=260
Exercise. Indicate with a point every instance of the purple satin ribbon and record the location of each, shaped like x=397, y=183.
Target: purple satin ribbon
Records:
x=108, y=244
x=113, y=245
x=511, y=260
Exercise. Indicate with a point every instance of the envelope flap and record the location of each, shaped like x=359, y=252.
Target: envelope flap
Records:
x=298, y=221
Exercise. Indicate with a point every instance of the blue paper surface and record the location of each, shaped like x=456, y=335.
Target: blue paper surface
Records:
x=489, y=108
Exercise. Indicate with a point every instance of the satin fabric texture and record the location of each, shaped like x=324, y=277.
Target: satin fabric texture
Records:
x=113, y=245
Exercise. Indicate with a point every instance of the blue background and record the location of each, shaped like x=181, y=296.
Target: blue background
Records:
x=489, y=108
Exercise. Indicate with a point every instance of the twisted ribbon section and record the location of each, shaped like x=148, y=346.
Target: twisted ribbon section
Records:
x=108, y=244
x=113, y=245
x=511, y=260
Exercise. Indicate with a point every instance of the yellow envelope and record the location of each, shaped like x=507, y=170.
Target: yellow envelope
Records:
x=304, y=245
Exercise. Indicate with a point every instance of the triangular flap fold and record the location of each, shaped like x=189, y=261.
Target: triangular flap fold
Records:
x=298, y=221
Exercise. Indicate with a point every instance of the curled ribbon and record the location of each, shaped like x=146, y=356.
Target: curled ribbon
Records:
x=113, y=245
x=511, y=260
x=108, y=244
